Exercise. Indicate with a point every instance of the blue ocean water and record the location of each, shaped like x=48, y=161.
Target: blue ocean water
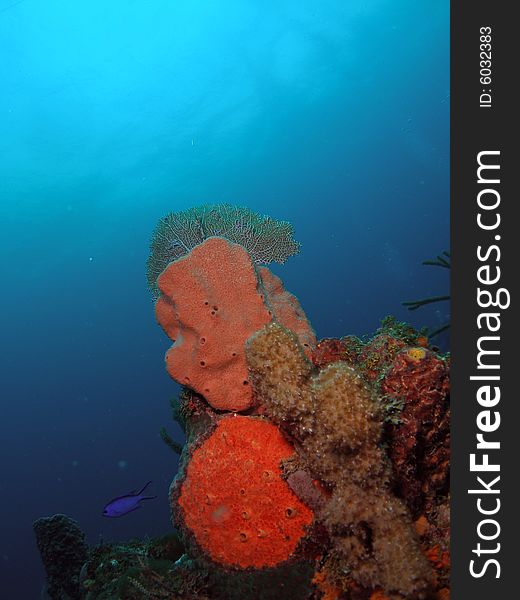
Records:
x=333, y=115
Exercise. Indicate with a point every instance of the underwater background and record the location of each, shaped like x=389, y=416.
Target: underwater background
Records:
x=333, y=115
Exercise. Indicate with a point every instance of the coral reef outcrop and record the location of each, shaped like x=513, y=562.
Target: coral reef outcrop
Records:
x=159, y=568
x=309, y=471
x=338, y=425
x=411, y=382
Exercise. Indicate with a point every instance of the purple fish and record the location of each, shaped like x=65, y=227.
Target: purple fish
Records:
x=123, y=505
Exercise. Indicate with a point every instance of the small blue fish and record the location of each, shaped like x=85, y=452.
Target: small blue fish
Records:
x=123, y=505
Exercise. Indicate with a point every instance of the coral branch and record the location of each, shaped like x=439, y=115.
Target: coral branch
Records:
x=169, y=441
x=415, y=304
x=439, y=330
x=442, y=260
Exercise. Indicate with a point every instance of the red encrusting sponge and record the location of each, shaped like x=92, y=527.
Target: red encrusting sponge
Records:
x=233, y=498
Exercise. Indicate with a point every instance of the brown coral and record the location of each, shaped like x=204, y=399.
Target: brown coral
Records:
x=338, y=426
x=420, y=441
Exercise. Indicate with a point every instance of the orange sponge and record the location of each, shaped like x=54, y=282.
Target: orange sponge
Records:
x=212, y=300
x=233, y=499
x=210, y=304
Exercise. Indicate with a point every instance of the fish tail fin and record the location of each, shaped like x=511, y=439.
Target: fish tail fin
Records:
x=148, y=498
x=143, y=488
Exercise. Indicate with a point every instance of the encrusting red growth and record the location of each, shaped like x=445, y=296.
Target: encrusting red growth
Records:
x=211, y=301
x=328, y=351
x=233, y=499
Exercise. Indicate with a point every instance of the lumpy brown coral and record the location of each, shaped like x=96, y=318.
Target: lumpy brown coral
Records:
x=411, y=382
x=338, y=426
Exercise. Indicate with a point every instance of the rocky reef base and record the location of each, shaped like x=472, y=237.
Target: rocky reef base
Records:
x=333, y=485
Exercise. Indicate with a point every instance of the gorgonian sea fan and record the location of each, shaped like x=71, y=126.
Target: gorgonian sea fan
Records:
x=266, y=239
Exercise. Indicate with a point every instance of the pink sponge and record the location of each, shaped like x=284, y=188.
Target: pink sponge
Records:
x=212, y=300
